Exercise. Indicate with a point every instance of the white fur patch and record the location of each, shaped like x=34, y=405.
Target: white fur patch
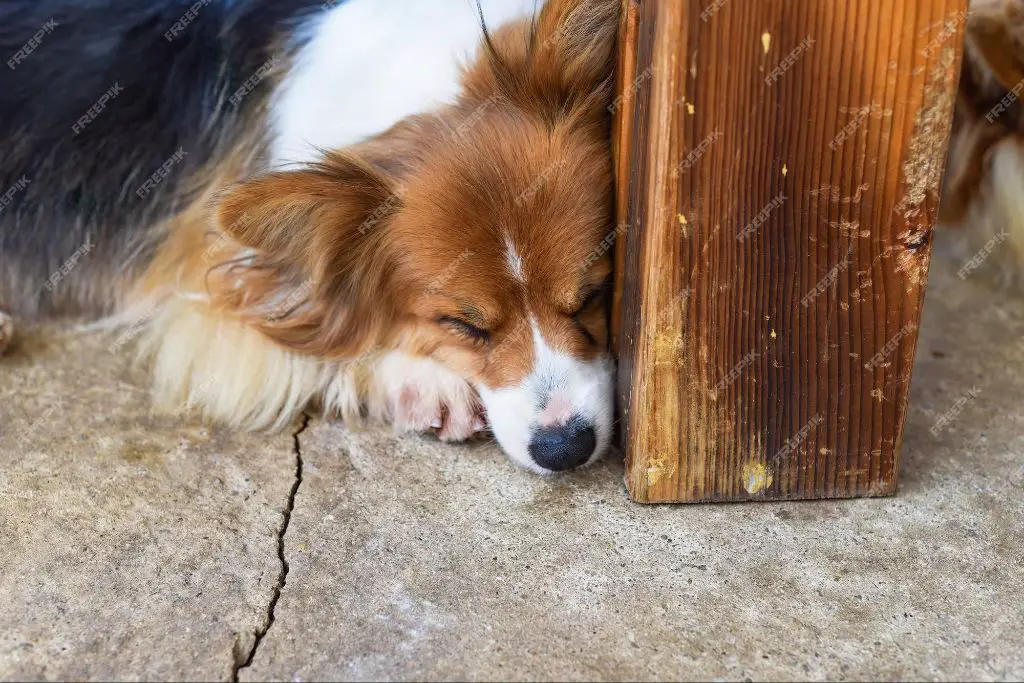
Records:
x=514, y=261
x=232, y=373
x=371, y=63
x=558, y=383
x=224, y=369
x=417, y=394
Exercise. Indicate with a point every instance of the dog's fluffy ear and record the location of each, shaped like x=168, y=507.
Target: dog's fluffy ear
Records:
x=313, y=265
x=581, y=35
x=563, y=61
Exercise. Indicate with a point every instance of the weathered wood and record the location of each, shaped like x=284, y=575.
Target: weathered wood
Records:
x=779, y=164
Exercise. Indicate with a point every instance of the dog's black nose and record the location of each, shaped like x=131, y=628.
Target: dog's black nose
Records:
x=563, y=447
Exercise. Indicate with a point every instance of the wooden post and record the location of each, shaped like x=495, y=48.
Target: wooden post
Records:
x=779, y=164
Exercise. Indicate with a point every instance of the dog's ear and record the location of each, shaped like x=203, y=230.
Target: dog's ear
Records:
x=313, y=263
x=579, y=37
x=562, y=61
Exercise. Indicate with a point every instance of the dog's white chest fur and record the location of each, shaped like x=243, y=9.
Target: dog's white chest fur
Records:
x=371, y=63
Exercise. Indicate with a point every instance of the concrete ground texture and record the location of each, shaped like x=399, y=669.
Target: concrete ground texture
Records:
x=144, y=546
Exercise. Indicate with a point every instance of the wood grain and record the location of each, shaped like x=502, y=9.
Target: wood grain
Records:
x=779, y=168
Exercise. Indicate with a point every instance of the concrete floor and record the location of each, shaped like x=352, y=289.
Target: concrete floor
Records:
x=142, y=547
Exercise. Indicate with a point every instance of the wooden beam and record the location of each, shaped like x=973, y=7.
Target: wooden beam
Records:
x=779, y=165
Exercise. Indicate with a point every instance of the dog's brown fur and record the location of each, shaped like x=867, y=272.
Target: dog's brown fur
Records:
x=306, y=277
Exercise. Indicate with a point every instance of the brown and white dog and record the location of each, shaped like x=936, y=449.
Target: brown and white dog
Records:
x=393, y=209
x=375, y=207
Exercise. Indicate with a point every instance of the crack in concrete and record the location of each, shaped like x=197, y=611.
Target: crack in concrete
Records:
x=282, y=577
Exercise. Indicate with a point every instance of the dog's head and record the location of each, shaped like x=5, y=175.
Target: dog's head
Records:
x=477, y=235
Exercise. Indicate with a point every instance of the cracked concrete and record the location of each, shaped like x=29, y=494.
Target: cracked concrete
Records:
x=282, y=577
x=142, y=547
x=133, y=545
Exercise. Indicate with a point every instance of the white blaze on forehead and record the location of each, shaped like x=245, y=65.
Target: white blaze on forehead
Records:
x=558, y=388
x=514, y=261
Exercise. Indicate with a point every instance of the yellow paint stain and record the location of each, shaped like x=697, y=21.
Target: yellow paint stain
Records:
x=667, y=348
x=683, y=226
x=785, y=170
x=756, y=478
x=766, y=41
x=773, y=335
x=690, y=109
x=658, y=469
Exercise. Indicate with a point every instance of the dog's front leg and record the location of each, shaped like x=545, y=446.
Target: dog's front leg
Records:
x=411, y=393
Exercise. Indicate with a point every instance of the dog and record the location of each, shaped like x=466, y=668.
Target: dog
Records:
x=394, y=210
x=983, y=194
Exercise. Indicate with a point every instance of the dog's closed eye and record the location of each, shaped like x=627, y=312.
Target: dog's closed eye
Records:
x=592, y=295
x=465, y=329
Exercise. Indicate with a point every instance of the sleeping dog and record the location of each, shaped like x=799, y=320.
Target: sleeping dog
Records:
x=387, y=209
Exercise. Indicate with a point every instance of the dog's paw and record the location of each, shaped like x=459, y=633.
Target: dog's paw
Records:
x=421, y=395
x=6, y=330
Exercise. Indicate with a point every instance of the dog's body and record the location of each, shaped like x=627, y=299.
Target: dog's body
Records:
x=313, y=203
x=348, y=204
